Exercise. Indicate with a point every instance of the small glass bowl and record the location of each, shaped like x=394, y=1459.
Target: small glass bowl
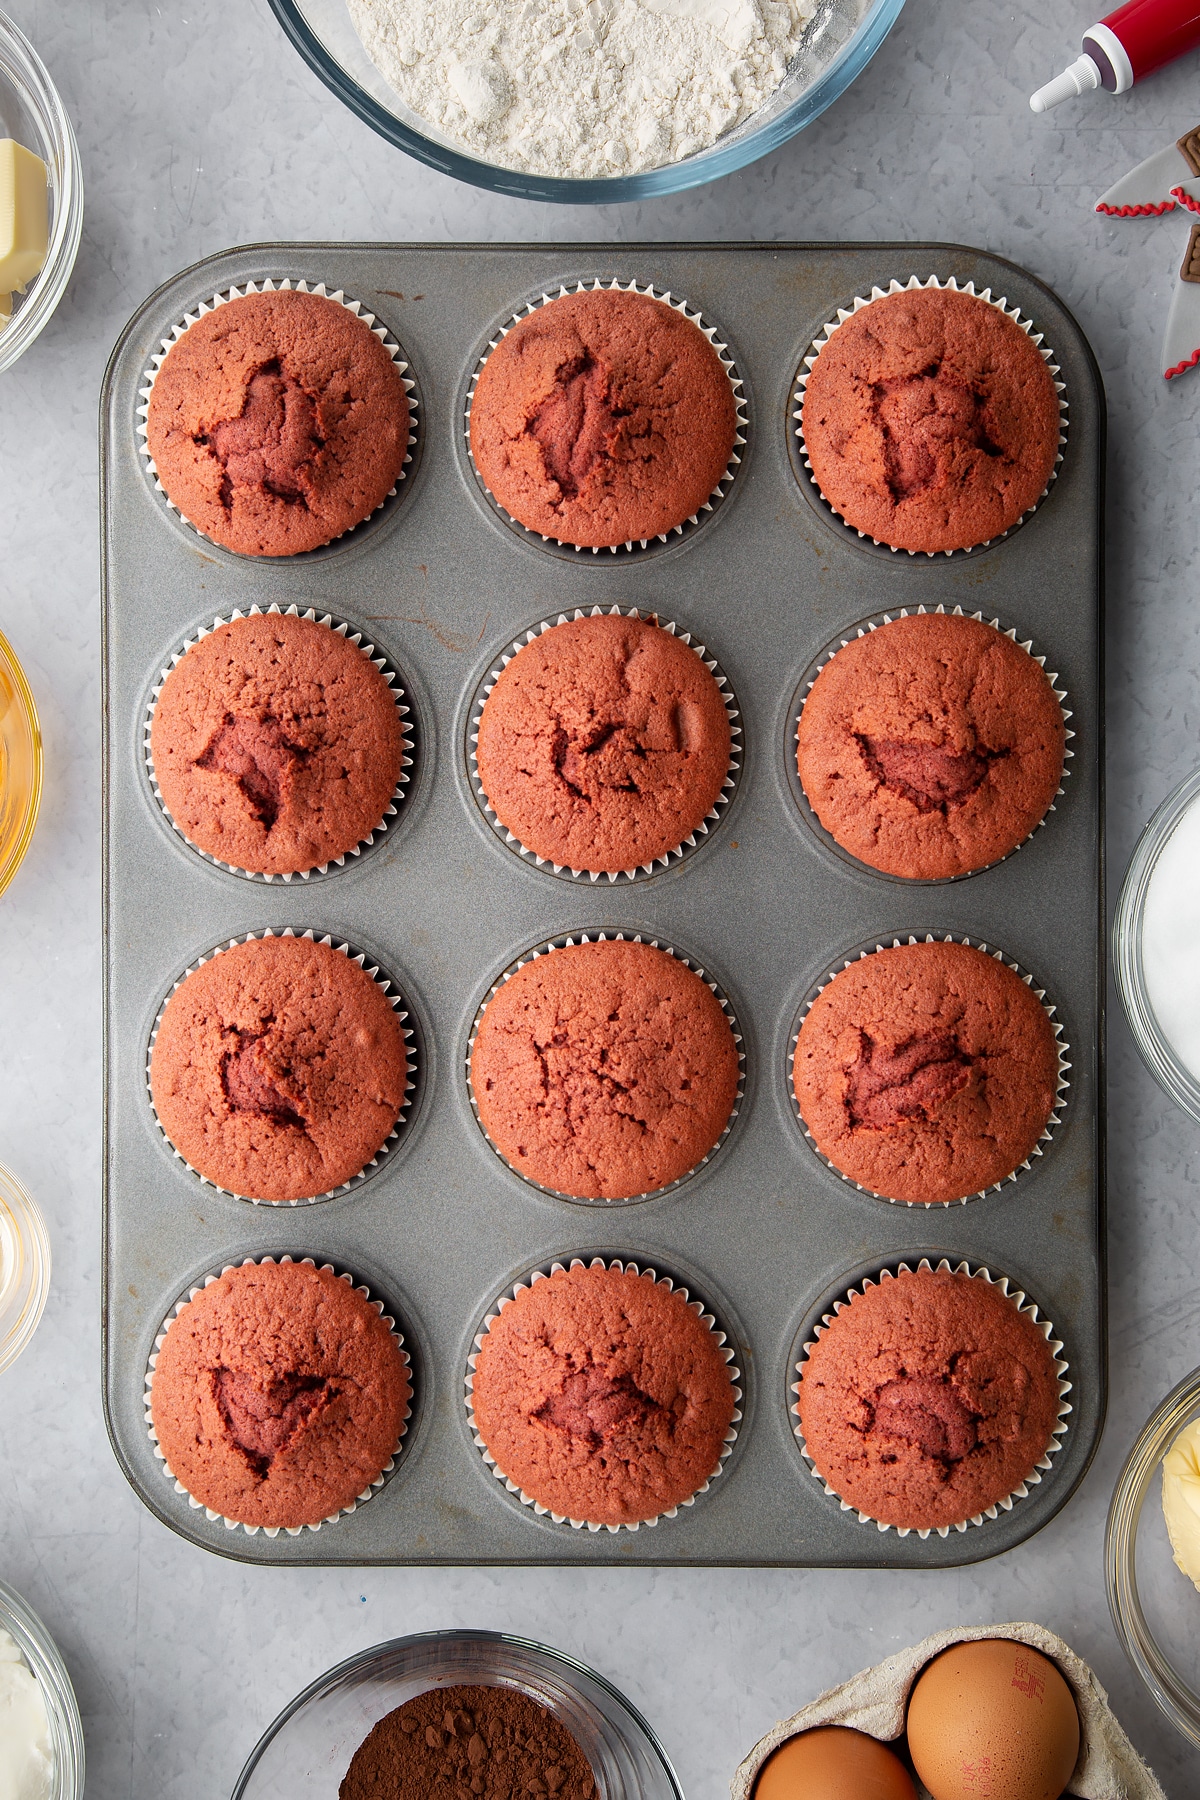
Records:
x=1151, y=1040
x=839, y=42
x=1155, y=1608
x=40, y=1652
x=306, y=1752
x=20, y=763
x=31, y=112
x=24, y=1267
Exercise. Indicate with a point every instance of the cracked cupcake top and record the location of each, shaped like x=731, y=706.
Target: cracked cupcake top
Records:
x=603, y=744
x=931, y=746
x=277, y=422
x=276, y=744
x=926, y=1072
x=931, y=420
x=279, y=1069
x=928, y=1399
x=604, y=1070
x=279, y=1394
x=603, y=1395
x=603, y=417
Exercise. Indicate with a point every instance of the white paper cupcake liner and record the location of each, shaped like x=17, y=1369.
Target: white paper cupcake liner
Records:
x=914, y=283
x=1057, y=1433
x=1061, y=1046
x=394, y=999
x=693, y=314
x=695, y=838
x=863, y=629
x=564, y=941
x=239, y=293
x=374, y=656
x=273, y=1531
x=705, y=1316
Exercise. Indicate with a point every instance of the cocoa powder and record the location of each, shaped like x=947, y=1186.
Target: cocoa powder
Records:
x=460, y=1743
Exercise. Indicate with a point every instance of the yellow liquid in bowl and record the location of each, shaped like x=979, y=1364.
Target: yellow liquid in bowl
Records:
x=20, y=764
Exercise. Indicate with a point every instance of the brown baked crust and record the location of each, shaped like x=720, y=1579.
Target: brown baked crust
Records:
x=603, y=744
x=279, y=1395
x=277, y=422
x=931, y=746
x=603, y=417
x=279, y=1069
x=928, y=1399
x=604, y=1070
x=602, y=1395
x=277, y=744
x=926, y=1072
x=931, y=420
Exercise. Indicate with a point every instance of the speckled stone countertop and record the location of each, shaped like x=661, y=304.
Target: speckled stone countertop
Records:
x=200, y=128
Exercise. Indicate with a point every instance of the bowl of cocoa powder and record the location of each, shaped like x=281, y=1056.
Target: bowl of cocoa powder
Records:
x=475, y=1712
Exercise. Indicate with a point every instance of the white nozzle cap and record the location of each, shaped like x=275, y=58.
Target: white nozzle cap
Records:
x=1082, y=76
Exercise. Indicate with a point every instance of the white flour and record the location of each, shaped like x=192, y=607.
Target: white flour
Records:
x=582, y=87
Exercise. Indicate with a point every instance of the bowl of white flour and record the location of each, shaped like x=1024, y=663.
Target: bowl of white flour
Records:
x=587, y=100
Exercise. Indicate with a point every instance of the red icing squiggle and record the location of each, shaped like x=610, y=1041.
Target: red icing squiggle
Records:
x=1179, y=368
x=1177, y=193
x=1140, y=212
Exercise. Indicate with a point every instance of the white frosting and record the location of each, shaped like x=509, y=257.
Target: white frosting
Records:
x=1171, y=940
x=26, y=1758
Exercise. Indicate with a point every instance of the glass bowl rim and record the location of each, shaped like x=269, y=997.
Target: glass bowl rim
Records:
x=1156, y=1051
x=45, y=1660
x=723, y=158
x=22, y=64
x=465, y=1634
x=23, y=693
x=1174, y=1697
x=16, y=1200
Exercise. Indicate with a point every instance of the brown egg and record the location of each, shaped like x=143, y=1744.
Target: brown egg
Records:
x=993, y=1718
x=833, y=1763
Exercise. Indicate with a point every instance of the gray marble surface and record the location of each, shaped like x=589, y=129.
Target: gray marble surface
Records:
x=200, y=128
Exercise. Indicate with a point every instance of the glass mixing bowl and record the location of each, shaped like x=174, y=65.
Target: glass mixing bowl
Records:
x=24, y=1267
x=1155, y=1608
x=40, y=1652
x=839, y=42
x=20, y=763
x=1160, y=1054
x=306, y=1752
x=31, y=112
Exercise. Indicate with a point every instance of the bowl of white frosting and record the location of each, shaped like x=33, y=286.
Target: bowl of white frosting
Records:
x=1156, y=945
x=41, y=1737
x=587, y=100
x=1152, y=1556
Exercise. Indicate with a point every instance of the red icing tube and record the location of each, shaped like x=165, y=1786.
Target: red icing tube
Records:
x=1138, y=38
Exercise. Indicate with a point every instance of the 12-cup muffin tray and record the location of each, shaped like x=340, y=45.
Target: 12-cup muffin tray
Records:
x=765, y=1234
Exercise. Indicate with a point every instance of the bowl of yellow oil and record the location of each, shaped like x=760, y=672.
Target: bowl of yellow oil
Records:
x=20, y=763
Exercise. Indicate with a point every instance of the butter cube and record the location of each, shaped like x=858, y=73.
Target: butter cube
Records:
x=24, y=216
x=5, y=310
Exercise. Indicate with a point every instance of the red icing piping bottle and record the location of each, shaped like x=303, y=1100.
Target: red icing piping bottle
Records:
x=1138, y=38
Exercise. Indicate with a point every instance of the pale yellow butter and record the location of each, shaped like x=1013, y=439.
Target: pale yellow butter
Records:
x=1181, y=1499
x=24, y=216
x=5, y=310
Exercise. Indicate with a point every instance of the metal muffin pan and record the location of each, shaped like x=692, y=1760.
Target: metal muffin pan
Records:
x=442, y=586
